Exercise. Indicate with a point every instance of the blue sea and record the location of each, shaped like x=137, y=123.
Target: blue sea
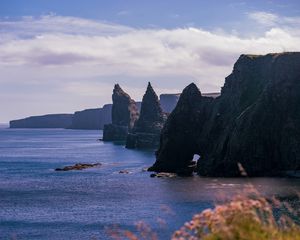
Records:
x=37, y=202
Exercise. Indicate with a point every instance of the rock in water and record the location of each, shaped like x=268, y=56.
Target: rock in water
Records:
x=180, y=133
x=147, y=128
x=254, y=124
x=124, y=115
x=79, y=166
x=124, y=109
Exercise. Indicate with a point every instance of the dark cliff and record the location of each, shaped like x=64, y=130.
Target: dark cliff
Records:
x=147, y=128
x=124, y=114
x=92, y=118
x=45, y=121
x=254, y=123
x=168, y=101
x=124, y=109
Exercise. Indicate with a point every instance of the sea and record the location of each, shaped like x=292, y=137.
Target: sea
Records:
x=37, y=202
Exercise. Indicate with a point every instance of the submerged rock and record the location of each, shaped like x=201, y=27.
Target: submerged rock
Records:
x=78, y=166
x=146, y=131
x=124, y=115
x=163, y=175
x=255, y=123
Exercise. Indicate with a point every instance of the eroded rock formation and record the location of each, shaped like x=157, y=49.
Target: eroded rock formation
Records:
x=168, y=101
x=147, y=128
x=124, y=115
x=254, y=124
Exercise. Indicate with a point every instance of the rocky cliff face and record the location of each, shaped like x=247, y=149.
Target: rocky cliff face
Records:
x=147, y=129
x=124, y=115
x=124, y=109
x=169, y=101
x=254, y=124
x=45, y=121
x=92, y=118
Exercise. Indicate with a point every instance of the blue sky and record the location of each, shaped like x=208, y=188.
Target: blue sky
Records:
x=144, y=13
x=62, y=55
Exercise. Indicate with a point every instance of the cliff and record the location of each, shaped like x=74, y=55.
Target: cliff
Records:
x=92, y=118
x=147, y=128
x=124, y=114
x=252, y=127
x=168, y=101
x=45, y=121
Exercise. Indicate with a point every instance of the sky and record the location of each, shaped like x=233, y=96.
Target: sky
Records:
x=61, y=56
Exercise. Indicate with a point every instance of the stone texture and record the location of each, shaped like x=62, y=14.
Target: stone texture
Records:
x=168, y=101
x=124, y=115
x=254, y=126
x=79, y=166
x=146, y=131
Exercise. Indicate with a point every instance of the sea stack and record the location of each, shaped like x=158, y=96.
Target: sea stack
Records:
x=124, y=114
x=252, y=128
x=146, y=131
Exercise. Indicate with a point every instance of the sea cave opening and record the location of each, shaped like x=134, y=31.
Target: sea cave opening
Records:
x=196, y=157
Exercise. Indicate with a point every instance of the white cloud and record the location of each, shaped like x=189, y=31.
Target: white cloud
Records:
x=68, y=52
x=268, y=19
x=265, y=18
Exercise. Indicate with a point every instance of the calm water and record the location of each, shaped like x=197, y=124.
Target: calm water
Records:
x=38, y=203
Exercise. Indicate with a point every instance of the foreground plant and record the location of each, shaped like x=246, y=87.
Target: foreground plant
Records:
x=247, y=217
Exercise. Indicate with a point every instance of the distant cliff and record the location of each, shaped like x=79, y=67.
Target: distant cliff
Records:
x=92, y=118
x=45, y=121
x=253, y=127
x=168, y=101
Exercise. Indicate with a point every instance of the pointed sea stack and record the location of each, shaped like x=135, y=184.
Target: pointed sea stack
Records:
x=179, y=135
x=252, y=128
x=124, y=115
x=147, y=128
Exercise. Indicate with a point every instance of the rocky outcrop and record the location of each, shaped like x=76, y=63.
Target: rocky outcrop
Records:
x=124, y=115
x=45, y=121
x=146, y=131
x=252, y=127
x=79, y=166
x=168, y=101
x=92, y=118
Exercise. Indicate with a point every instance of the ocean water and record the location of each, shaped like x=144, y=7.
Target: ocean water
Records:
x=38, y=203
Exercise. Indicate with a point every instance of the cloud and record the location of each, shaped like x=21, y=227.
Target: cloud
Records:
x=264, y=18
x=268, y=19
x=78, y=56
